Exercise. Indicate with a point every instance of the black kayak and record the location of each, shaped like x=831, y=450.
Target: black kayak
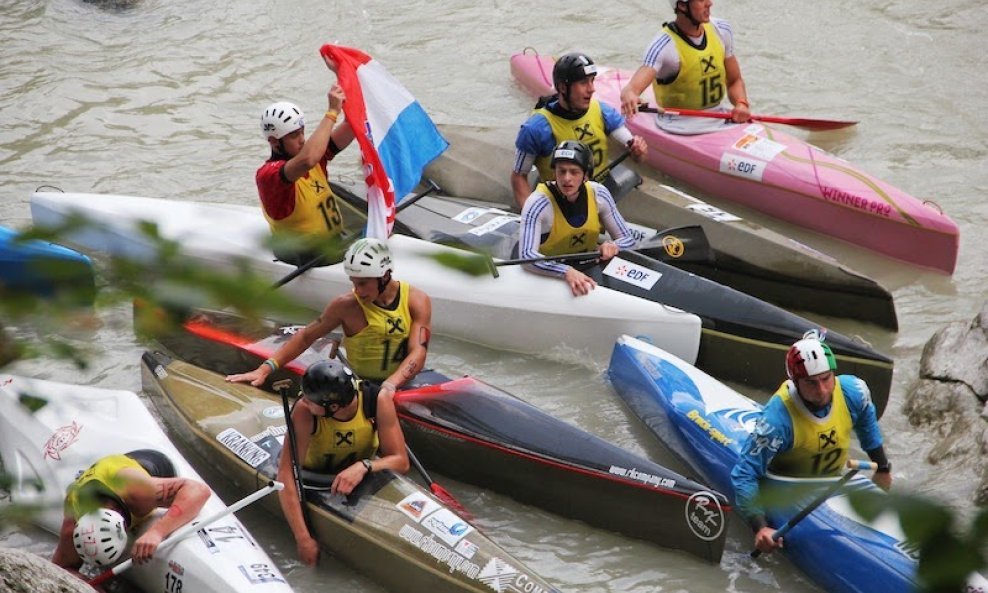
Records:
x=746, y=256
x=744, y=339
x=476, y=433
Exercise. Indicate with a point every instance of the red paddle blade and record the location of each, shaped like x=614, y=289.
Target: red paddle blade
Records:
x=807, y=123
x=101, y=578
x=447, y=499
x=799, y=122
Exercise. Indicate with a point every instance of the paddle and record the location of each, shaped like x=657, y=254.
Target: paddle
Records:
x=440, y=492
x=282, y=388
x=322, y=260
x=618, y=181
x=188, y=530
x=679, y=244
x=599, y=176
x=799, y=122
x=855, y=466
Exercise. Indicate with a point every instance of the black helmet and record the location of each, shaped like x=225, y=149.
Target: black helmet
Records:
x=329, y=382
x=573, y=151
x=571, y=68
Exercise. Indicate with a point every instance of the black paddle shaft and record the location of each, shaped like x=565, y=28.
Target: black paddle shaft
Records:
x=809, y=509
x=282, y=388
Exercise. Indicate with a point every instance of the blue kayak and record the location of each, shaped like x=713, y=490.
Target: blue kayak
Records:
x=43, y=268
x=705, y=423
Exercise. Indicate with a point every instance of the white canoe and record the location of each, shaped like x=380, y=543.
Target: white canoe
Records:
x=518, y=311
x=49, y=432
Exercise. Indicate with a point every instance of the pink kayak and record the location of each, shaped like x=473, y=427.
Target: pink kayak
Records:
x=768, y=170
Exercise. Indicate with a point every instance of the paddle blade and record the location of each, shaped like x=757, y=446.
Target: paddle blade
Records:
x=448, y=500
x=816, y=125
x=680, y=244
x=807, y=123
x=101, y=578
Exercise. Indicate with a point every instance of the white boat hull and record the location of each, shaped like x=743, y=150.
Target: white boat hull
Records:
x=77, y=425
x=518, y=311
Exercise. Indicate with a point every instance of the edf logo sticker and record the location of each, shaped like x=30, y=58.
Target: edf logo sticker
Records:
x=626, y=271
x=738, y=166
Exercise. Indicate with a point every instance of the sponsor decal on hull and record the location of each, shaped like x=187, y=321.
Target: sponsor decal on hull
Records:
x=644, y=478
x=492, y=225
x=839, y=196
x=758, y=147
x=714, y=433
x=625, y=271
x=428, y=544
x=243, y=447
x=741, y=166
x=505, y=578
x=705, y=516
x=273, y=412
x=471, y=214
x=61, y=440
x=713, y=213
x=271, y=431
x=447, y=526
x=417, y=506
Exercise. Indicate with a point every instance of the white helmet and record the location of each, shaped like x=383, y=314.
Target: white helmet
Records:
x=280, y=119
x=809, y=357
x=367, y=258
x=674, y=3
x=100, y=537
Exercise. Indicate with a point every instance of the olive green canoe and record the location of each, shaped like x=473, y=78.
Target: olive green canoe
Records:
x=389, y=521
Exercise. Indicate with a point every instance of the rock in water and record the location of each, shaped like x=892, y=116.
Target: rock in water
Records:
x=949, y=398
x=23, y=572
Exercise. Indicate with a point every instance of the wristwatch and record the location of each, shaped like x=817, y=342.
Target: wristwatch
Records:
x=884, y=469
x=367, y=464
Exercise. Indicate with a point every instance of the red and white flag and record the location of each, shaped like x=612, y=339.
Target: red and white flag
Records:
x=396, y=137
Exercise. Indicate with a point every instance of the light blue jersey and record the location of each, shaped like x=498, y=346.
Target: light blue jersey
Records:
x=774, y=434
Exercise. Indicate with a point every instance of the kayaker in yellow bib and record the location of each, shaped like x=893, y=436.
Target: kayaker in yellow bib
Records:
x=293, y=183
x=340, y=424
x=571, y=114
x=567, y=216
x=690, y=65
x=805, y=431
x=386, y=323
x=114, y=496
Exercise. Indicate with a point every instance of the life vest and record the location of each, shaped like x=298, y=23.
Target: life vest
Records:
x=376, y=351
x=100, y=479
x=820, y=445
x=588, y=129
x=563, y=238
x=702, y=79
x=317, y=214
x=336, y=445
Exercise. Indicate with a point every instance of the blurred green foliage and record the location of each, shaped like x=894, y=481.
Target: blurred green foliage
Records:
x=166, y=286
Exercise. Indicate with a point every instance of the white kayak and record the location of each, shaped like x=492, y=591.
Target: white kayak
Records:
x=49, y=432
x=518, y=311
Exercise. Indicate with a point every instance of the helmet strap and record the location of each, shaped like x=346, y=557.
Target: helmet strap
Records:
x=383, y=282
x=688, y=13
x=564, y=95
